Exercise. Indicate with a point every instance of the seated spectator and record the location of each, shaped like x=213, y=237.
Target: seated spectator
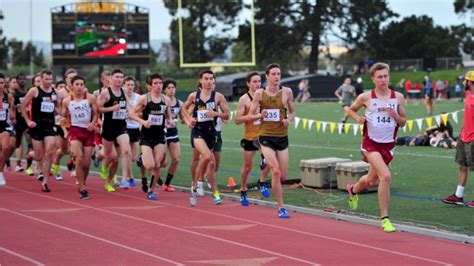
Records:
x=418, y=140
x=442, y=140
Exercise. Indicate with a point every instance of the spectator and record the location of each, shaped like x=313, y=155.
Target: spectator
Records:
x=408, y=89
x=429, y=96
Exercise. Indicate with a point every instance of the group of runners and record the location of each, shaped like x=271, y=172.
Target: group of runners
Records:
x=108, y=125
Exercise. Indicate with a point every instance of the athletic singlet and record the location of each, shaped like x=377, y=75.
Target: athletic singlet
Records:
x=276, y=112
x=379, y=126
x=155, y=113
x=132, y=124
x=204, y=123
x=5, y=105
x=81, y=112
x=43, y=107
x=251, y=128
x=68, y=121
x=172, y=132
x=18, y=99
x=115, y=120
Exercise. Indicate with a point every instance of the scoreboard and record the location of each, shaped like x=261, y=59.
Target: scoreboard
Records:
x=100, y=33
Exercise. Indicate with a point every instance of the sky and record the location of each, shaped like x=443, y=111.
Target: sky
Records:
x=16, y=23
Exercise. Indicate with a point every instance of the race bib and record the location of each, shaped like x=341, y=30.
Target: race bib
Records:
x=47, y=107
x=3, y=115
x=272, y=115
x=202, y=116
x=381, y=120
x=121, y=114
x=81, y=116
x=156, y=120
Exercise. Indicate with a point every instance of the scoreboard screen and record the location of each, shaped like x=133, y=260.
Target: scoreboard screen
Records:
x=100, y=33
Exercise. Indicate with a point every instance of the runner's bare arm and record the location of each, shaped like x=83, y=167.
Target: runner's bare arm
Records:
x=360, y=101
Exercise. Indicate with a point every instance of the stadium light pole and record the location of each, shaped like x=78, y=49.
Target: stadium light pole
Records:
x=31, y=37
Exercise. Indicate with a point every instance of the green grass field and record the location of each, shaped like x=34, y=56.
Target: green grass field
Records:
x=421, y=175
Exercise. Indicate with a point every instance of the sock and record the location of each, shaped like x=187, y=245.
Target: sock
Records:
x=381, y=218
x=18, y=162
x=168, y=179
x=459, y=191
x=243, y=193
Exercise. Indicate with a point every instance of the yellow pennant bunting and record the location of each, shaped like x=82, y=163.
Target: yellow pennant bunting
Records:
x=318, y=125
x=362, y=129
x=346, y=127
x=305, y=123
x=429, y=121
x=444, y=117
x=410, y=125
x=332, y=127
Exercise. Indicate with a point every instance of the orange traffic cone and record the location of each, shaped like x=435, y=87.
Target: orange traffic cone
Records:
x=231, y=182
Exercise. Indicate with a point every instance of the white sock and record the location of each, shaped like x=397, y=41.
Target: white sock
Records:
x=459, y=191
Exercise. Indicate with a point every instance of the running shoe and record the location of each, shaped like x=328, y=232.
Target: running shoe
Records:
x=8, y=165
x=353, y=198
x=387, y=226
x=59, y=177
x=470, y=204
x=104, y=173
x=3, y=182
x=217, y=199
x=243, y=198
x=139, y=161
x=18, y=168
x=115, y=181
x=40, y=177
x=262, y=163
x=145, y=185
x=282, y=213
x=84, y=195
x=151, y=196
x=124, y=184
x=70, y=164
x=131, y=182
x=55, y=168
x=264, y=189
x=168, y=188
x=29, y=171
x=453, y=200
x=109, y=188
x=193, y=198
x=45, y=188
x=200, y=188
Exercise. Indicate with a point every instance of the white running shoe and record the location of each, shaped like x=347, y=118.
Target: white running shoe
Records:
x=59, y=177
x=2, y=179
x=18, y=168
x=193, y=198
x=200, y=188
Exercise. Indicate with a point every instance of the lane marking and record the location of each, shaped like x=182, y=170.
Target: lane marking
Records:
x=159, y=224
x=11, y=252
x=91, y=236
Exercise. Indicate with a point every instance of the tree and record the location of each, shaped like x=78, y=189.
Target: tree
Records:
x=299, y=23
x=203, y=16
x=413, y=37
x=462, y=6
x=3, y=47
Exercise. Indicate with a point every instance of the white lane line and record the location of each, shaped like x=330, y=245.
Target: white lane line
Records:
x=165, y=225
x=11, y=252
x=92, y=236
x=291, y=230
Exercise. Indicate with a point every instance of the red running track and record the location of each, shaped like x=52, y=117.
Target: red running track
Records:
x=126, y=228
